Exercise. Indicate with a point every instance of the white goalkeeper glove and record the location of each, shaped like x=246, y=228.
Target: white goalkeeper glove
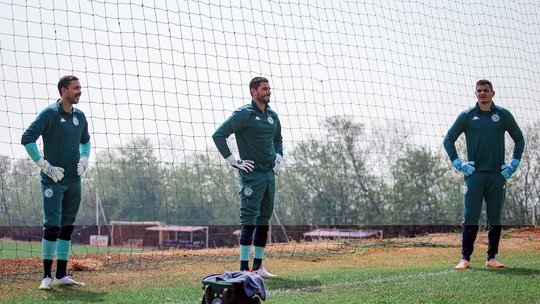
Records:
x=277, y=163
x=82, y=166
x=55, y=173
x=245, y=165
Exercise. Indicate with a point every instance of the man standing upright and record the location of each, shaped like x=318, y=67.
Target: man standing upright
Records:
x=66, y=148
x=485, y=171
x=258, y=135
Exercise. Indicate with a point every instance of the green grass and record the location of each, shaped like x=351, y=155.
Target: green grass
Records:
x=422, y=274
x=436, y=285
x=22, y=249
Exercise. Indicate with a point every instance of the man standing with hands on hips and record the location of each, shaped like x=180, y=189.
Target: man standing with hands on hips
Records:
x=485, y=172
x=257, y=130
x=66, y=148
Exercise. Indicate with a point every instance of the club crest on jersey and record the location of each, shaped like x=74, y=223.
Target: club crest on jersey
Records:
x=465, y=189
x=48, y=192
x=75, y=121
x=270, y=120
x=495, y=117
x=248, y=191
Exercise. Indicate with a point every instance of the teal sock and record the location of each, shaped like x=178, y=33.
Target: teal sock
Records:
x=244, y=257
x=258, y=257
x=258, y=252
x=62, y=249
x=48, y=248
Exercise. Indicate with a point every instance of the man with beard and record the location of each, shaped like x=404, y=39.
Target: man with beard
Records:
x=257, y=130
x=66, y=148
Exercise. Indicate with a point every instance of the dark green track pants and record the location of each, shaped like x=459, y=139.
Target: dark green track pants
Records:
x=479, y=187
x=484, y=186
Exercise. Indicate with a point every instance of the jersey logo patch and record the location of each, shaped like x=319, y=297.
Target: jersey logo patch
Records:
x=270, y=120
x=75, y=121
x=465, y=189
x=257, y=118
x=48, y=192
x=248, y=191
x=475, y=118
x=495, y=117
x=62, y=119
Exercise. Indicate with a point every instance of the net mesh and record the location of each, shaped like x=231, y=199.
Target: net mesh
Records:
x=365, y=92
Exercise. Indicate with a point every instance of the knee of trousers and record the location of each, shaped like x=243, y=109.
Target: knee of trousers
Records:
x=263, y=221
x=261, y=236
x=66, y=232
x=246, y=234
x=248, y=214
x=50, y=233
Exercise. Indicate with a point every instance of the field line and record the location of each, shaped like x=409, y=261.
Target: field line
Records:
x=280, y=291
x=394, y=278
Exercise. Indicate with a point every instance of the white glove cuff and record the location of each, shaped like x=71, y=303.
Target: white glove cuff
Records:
x=41, y=162
x=231, y=160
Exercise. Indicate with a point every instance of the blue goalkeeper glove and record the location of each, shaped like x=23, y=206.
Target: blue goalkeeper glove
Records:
x=457, y=163
x=467, y=168
x=508, y=170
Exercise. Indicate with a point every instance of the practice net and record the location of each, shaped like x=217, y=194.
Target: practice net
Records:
x=365, y=92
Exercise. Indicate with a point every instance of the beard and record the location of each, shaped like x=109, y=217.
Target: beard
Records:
x=74, y=100
x=264, y=99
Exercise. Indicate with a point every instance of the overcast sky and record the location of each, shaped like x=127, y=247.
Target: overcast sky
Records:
x=174, y=70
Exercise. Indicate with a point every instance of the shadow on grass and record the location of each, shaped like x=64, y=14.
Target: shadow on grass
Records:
x=293, y=284
x=69, y=294
x=517, y=271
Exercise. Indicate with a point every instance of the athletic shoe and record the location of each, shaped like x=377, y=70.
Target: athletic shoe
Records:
x=463, y=264
x=264, y=273
x=494, y=264
x=67, y=281
x=45, y=284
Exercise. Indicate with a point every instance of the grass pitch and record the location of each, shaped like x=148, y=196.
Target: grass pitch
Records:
x=390, y=271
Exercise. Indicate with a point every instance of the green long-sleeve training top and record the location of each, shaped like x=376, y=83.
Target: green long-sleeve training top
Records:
x=257, y=132
x=62, y=133
x=484, y=133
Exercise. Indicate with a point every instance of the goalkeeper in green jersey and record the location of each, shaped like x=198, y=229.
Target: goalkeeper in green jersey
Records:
x=66, y=148
x=258, y=135
x=485, y=172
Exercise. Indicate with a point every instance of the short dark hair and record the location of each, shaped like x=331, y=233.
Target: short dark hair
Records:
x=484, y=82
x=64, y=82
x=255, y=83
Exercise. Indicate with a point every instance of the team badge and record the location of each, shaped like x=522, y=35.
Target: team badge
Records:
x=248, y=191
x=270, y=120
x=48, y=193
x=495, y=117
x=465, y=189
x=75, y=121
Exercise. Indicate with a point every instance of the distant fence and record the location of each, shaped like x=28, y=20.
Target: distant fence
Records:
x=219, y=236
